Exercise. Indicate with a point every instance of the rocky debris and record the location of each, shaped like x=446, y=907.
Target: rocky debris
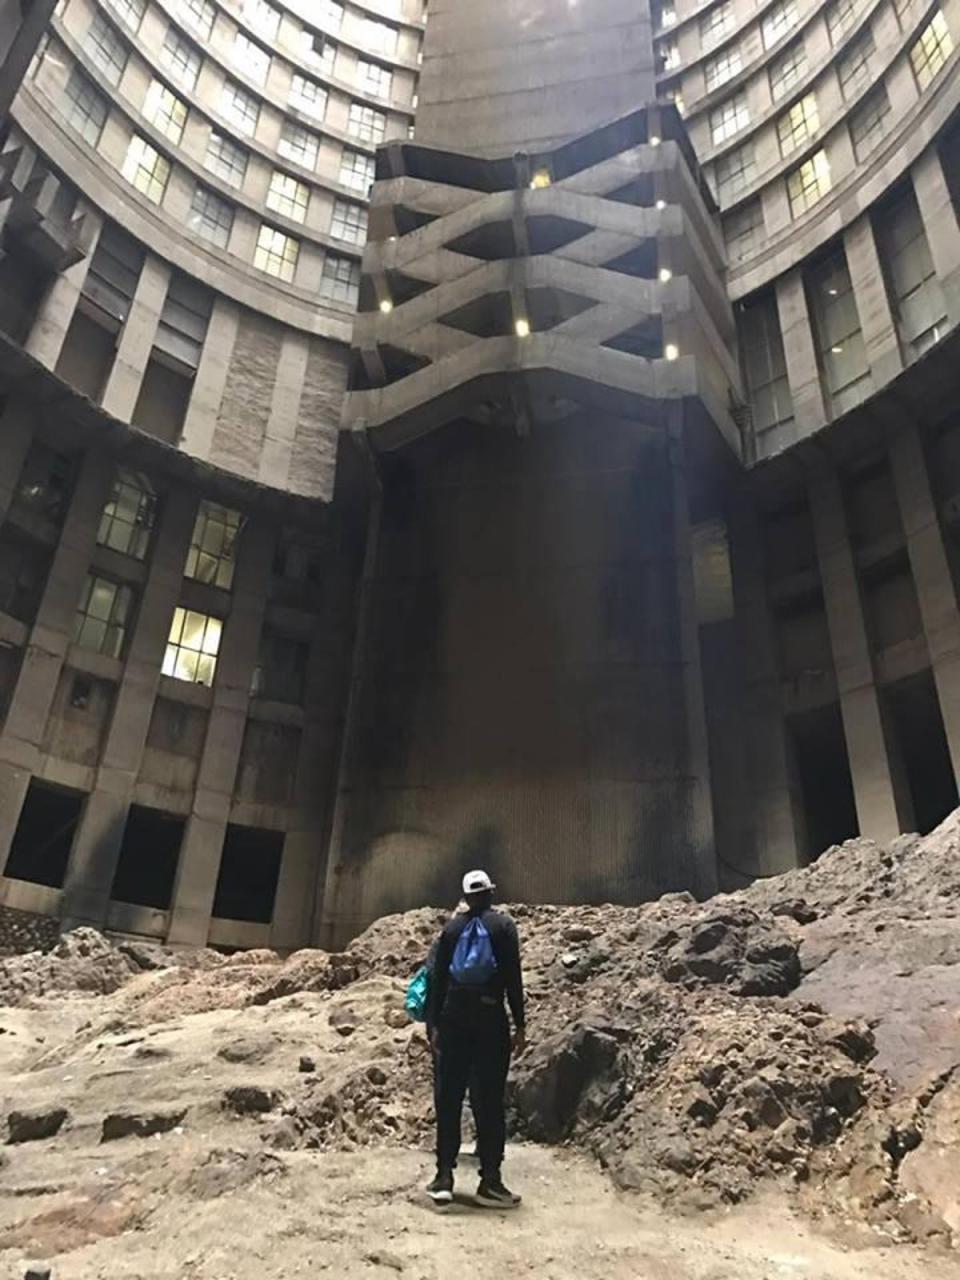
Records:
x=225, y=1171
x=82, y=961
x=37, y=1272
x=306, y=1064
x=247, y=1049
x=35, y=1124
x=140, y=1124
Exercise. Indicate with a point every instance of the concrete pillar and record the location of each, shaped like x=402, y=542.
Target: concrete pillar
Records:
x=293, y=908
x=700, y=855
x=777, y=817
x=207, y=824
x=940, y=223
x=136, y=340
x=931, y=576
x=56, y=310
x=877, y=320
x=803, y=371
x=211, y=378
x=96, y=848
x=281, y=429
x=875, y=786
x=49, y=637
x=29, y=30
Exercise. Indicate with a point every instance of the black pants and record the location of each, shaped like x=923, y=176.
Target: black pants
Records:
x=475, y=1054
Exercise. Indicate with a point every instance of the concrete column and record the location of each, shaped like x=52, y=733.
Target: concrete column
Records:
x=56, y=310
x=877, y=320
x=210, y=380
x=30, y=28
x=93, y=861
x=778, y=827
x=871, y=768
x=284, y=410
x=136, y=340
x=293, y=908
x=49, y=637
x=207, y=824
x=940, y=223
x=802, y=369
x=931, y=576
x=16, y=434
x=700, y=855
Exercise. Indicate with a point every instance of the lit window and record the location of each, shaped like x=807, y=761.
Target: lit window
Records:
x=180, y=58
x=106, y=49
x=664, y=15
x=213, y=547
x=798, y=125
x=667, y=55
x=211, y=217
x=836, y=329
x=841, y=18
x=788, y=70
x=722, y=67
x=374, y=79
x=377, y=37
x=932, y=49
x=743, y=230
x=809, y=183
x=735, y=172
x=308, y=96
x=917, y=294
x=288, y=196
x=251, y=58
x=716, y=24
x=349, y=222
x=299, y=145
x=868, y=122
x=340, y=279
x=199, y=14
x=130, y=12
x=192, y=647
x=356, y=170
x=227, y=160
x=318, y=49
x=276, y=253
x=240, y=107
x=729, y=118
x=85, y=109
x=853, y=68
x=165, y=111
x=781, y=19
x=101, y=621
x=146, y=169
x=262, y=17
x=765, y=366
x=128, y=517
x=366, y=123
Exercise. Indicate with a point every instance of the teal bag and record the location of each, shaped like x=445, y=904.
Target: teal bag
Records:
x=418, y=993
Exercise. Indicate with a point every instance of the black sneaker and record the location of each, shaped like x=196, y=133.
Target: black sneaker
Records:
x=494, y=1195
x=440, y=1189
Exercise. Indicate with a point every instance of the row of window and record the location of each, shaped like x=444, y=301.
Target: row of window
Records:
x=735, y=172
x=916, y=298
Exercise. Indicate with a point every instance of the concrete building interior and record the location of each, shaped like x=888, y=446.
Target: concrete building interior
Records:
x=436, y=434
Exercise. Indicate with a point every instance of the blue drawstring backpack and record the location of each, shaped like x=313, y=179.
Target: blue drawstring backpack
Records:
x=473, y=963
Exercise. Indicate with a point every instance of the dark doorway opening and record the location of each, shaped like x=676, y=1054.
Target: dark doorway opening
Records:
x=44, y=836
x=820, y=751
x=914, y=708
x=249, y=872
x=149, y=853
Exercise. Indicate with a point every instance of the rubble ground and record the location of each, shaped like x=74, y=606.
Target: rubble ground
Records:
x=765, y=1084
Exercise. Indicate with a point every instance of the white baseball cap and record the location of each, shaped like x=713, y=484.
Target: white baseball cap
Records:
x=477, y=882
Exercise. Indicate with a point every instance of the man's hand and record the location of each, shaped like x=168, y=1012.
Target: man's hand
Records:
x=519, y=1041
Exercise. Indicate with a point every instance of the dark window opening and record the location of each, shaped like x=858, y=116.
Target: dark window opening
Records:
x=820, y=750
x=44, y=836
x=149, y=854
x=914, y=712
x=45, y=484
x=161, y=407
x=249, y=872
x=86, y=356
x=23, y=573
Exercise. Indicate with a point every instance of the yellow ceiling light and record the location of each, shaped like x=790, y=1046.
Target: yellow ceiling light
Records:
x=540, y=179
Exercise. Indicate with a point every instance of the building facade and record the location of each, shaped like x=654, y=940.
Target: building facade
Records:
x=614, y=541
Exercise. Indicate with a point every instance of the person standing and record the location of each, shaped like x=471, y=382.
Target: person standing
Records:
x=477, y=964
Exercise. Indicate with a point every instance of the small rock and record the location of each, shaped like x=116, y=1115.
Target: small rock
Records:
x=139, y=1124
x=250, y=1099
x=376, y=1075
x=37, y=1271
x=307, y=1064
x=284, y=1134
x=380, y=1258
x=30, y=1126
